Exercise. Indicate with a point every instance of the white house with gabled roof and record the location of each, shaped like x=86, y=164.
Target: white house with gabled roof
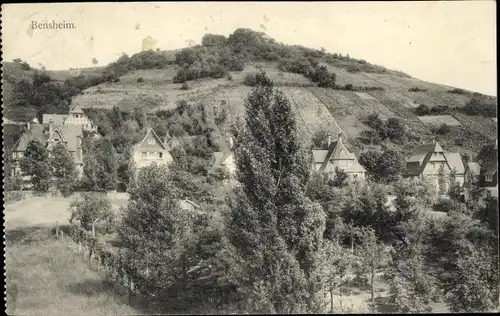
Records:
x=337, y=156
x=75, y=116
x=150, y=150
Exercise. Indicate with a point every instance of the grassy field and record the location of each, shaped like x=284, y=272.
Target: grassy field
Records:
x=312, y=113
x=45, y=277
x=156, y=91
x=438, y=120
x=47, y=210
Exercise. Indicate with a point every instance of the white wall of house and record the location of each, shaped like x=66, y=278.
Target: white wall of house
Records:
x=79, y=119
x=230, y=165
x=147, y=158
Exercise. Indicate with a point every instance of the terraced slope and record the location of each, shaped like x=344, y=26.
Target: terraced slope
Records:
x=337, y=111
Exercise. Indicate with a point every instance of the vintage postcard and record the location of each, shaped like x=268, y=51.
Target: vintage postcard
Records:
x=245, y=157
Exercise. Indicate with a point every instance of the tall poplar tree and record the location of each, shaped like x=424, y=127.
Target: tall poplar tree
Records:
x=275, y=228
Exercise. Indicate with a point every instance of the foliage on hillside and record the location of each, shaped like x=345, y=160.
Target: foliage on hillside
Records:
x=361, y=89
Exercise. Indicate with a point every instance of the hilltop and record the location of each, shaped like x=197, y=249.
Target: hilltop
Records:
x=217, y=74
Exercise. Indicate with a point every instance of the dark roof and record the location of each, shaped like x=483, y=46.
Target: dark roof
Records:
x=330, y=158
x=11, y=135
x=40, y=132
x=336, y=150
x=423, y=153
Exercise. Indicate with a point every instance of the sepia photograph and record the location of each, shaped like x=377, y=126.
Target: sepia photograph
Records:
x=250, y=158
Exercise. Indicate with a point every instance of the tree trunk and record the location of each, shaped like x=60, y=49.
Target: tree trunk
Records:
x=331, y=300
x=352, y=243
x=372, y=287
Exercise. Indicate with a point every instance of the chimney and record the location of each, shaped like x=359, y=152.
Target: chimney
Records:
x=28, y=125
x=340, y=137
x=51, y=126
x=230, y=142
x=329, y=140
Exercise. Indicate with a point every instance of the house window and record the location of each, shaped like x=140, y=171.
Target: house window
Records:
x=144, y=155
x=151, y=141
x=488, y=178
x=14, y=155
x=488, y=194
x=161, y=155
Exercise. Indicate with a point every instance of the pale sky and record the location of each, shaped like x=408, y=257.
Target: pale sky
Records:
x=452, y=43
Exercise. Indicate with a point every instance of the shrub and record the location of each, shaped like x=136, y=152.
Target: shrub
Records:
x=444, y=205
x=458, y=91
x=229, y=77
x=217, y=71
x=25, y=66
x=422, y=109
x=443, y=129
x=440, y=110
x=11, y=196
x=348, y=87
x=140, y=80
x=353, y=68
x=250, y=80
x=417, y=89
x=185, y=86
x=476, y=108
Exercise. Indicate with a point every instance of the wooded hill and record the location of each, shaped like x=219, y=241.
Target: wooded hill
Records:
x=331, y=93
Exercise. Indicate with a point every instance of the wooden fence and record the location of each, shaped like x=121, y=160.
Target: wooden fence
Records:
x=106, y=262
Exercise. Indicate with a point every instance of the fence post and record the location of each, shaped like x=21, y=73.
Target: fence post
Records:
x=57, y=229
x=130, y=291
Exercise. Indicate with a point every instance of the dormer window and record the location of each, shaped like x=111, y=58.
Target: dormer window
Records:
x=488, y=178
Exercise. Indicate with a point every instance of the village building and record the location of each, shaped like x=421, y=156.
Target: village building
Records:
x=224, y=158
x=472, y=171
x=337, y=156
x=149, y=151
x=488, y=174
x=429, y=161
x=49, y=135
x=74, y=117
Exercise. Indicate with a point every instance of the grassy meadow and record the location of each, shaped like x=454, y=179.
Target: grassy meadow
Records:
x=45, y=277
